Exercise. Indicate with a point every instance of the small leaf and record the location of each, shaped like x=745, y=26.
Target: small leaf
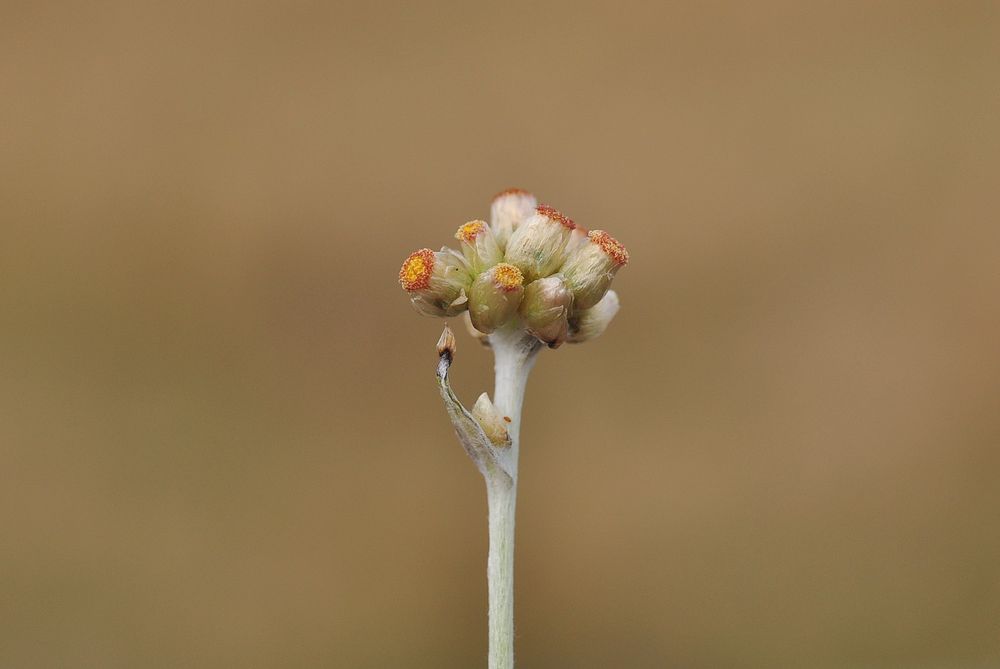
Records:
x=489, y=457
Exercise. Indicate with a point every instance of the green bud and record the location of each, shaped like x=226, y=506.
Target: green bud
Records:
x=538, y=246
x=479, y=246
x=591, y=267
x=495, y=296
x=509, y=209
x=473, y=332
x=591, y=323
x=545, y=309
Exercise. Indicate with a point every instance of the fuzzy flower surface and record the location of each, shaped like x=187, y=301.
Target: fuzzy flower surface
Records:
x=531, y=267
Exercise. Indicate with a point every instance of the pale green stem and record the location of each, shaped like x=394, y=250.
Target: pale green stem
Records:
x=514, y=357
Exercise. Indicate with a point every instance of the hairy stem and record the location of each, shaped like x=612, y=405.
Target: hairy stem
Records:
x=515, y=354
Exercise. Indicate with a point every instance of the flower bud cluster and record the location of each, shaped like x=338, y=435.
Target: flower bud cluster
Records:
x=530, y=265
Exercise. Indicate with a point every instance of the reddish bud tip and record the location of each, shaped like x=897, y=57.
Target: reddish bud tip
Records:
x=510, y=191
x=615, y=249
x=555, y=215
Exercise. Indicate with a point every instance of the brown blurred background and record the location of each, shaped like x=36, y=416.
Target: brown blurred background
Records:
x=220, y=441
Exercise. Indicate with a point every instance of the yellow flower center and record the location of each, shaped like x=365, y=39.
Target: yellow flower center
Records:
x=507, y=277
x=415, y=273
x=471, y=230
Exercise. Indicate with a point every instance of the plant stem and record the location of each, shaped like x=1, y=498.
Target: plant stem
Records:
x=502, y=499
x=514, y=357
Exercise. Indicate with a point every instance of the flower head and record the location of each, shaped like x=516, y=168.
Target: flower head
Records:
x=495, y=297
x=437, y=281
x=545, y=309
x=591, y=323
x=530, y=268
x=508, y=210
x=538, y=246
x=591, y=267
x=479, y=246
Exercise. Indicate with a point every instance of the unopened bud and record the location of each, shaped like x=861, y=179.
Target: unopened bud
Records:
x=508, y=210
x=590, y=323
x=495, y=296
x=545, y=309
x=479, y=246
x=492, y=422
x=446, y=343
x=592, y=266
x=577, y=238
x=437, y=281
x=538, y=245
x=473, y=332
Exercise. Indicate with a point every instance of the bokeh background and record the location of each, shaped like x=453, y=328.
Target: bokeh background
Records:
x=220, y=440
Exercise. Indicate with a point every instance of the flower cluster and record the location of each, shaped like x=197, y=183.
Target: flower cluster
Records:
x=531, y=266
